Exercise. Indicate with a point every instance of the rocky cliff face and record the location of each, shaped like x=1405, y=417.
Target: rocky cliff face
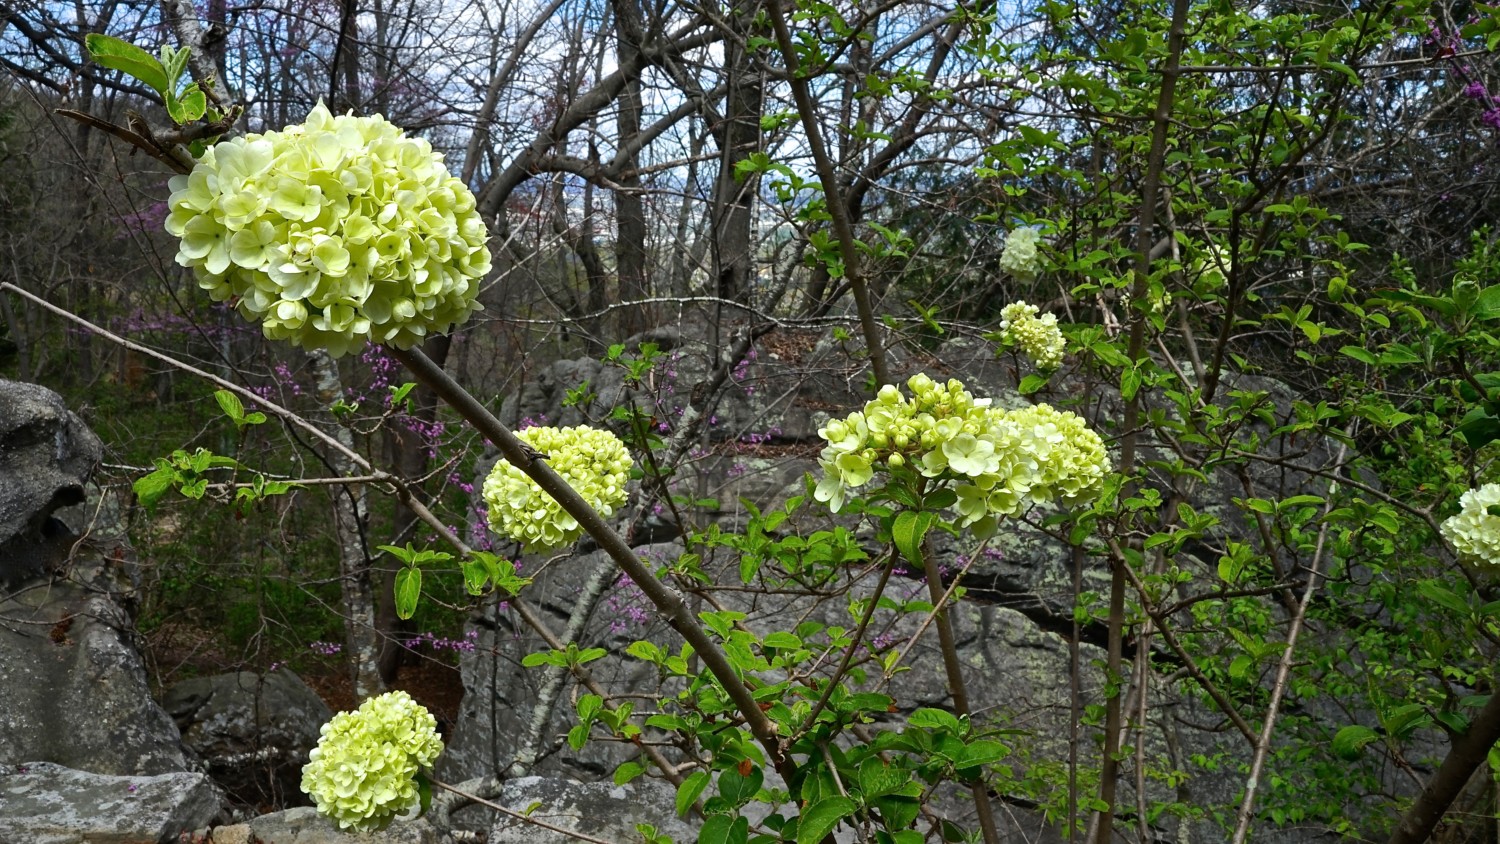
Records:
x=85, y=753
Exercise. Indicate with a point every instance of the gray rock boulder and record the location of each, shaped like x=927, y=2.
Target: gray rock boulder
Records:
x=75, y=690
x=600, y=809
x=46, y=457
x=253, y=731
x=43, y=803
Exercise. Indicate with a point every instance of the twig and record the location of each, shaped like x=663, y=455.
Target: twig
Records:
x=1283, y=671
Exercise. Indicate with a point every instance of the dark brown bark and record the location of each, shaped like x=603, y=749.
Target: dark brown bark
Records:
x=630, y=209
x=346, y=60
x=1466, y=754
x=738, y=136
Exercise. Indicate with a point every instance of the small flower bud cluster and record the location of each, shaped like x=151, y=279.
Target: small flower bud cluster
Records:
x=1020, y=257
x=593, y=462
x=996, y=461
x=362, y=773
x=1038, y=336
x=332, y=233
x=1475, y=533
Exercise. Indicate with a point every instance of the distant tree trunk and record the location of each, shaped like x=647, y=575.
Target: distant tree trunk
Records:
x=738, y=136
x=346, y=60
x=580, y=240
x=350, y=519
x=630, y=209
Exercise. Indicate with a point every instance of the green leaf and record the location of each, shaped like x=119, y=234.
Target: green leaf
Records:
x=475, y=576
x=898, y=812
x=1130, y=383
x=981, y=753
x=936, y=719
x=1399, y=353
x=589, y=706
x=1298, y=501
x=578, y=737
x=230, y=404
x=539, y=658
x=646, y=651
x=1488, y=306
x=688, y=792
x=424, y=793
x=1443, y=597
x=1360, y=354
x=820, y=818
x=152, y=487
x=115, y=54
x=877, y=777
x=408, y=590
x=628, y=771
x=724, y=829
x=1479, y=428
x=174, y=62
x=1386, y=521
x=909, y=530
x=1240, y=666
x=781, y=639
x=1349, y=742
x=1032, y=383
x=405, y=555
x=1232, y=568
x=939, y=499
x=590, y=654
x=187, y=106
x=737, y=789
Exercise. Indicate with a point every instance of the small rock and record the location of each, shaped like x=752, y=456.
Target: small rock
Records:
x=305, y=826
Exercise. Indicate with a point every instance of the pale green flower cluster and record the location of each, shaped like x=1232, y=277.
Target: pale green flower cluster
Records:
x=593, y=462
x=996, y=461
x=1475, y=533
x=1020, y=257
x=332, y=233
x=1038, y=336
x=362, y=773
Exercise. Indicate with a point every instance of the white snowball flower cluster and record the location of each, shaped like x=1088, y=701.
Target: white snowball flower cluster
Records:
x=593, y=462
x=1475, y=533
x=362, y=773
x=1020, y=257
x=996, y=461
x=1038, y=336
x=336, y=232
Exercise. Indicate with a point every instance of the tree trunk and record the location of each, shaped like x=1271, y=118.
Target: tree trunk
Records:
x=630, y=209
x=732, y=225
x=361, y=637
